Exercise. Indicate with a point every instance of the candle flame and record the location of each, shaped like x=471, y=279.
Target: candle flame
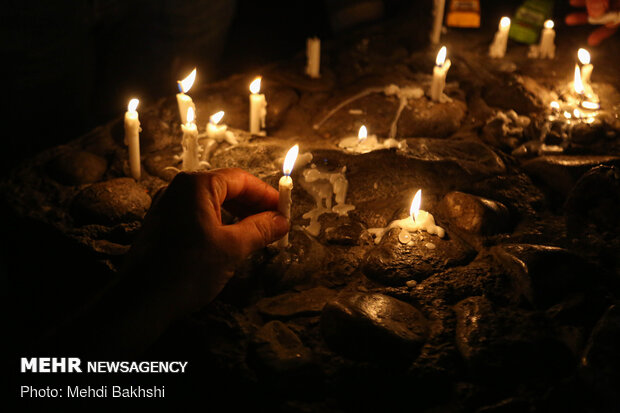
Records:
x=190, y=114
x=567, y=115
x=577, y=81
x=362, y=134
x=186, y=84
x=441, y=56
x=132, y=105
x=289, y=161
x=584, y=56
x=576, y=113
x=415, y=205
x=255, y=85
x=549, y=24
x=590, y=105
x=555, y=105
x=504, y=22
x=216, y=117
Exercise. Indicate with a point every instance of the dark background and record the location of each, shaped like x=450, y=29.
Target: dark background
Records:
x=74, y=65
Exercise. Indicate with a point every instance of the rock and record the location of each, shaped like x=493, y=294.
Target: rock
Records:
x=591, y=213
x=394, y=263
x=516, y=192
x=111, y=202
x=429, y=119
x=510, y=405
x=507, y=341
x=347, y=234
x=544, y=274
x=600, y=364
x=159, y=127
x=510, y=94
x=279, y=100
x=373, y=326
x=279, y=349
x=305, y=303
x=559, y=173
x=77, y=167
x=474, y=214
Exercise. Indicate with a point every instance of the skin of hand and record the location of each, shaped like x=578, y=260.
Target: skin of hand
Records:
x=184, y=242
x=180, y=261
x=595, y=8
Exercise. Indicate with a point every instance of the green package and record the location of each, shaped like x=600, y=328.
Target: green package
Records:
x=529, y=19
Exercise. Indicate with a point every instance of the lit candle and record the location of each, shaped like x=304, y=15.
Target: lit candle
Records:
x=313, y=57
x=439, y=75
x=183, y=100
x=498, y=47
x=132, y=137
x=191, y=160
x=418, y=220
x=547, y=45
x=577, y=83
x=258, y=107
x=586, y=70
x=438, y=11
x=286, y=187
x=214, y=130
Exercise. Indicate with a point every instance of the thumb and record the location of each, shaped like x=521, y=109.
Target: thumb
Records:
x=257, y=231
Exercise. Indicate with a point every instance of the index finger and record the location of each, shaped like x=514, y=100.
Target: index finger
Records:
x=240, y=187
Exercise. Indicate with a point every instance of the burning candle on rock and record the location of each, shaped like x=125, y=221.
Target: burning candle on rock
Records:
x=183, y=100
x=498, y=47
x=364, y=143
x=258, y=107
x=586, y=71
x=216, y=131
x=439, y=75
x=418, y=220
x=546, y=48
x=286, y=188
x=132, y=137
x=313, y=57
x=191, y=160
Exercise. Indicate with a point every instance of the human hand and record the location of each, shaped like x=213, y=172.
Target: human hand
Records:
x=184, y=247
x=595, y=9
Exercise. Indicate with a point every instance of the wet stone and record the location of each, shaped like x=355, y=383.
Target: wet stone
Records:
x=373, y=326
x=474, y=214
x=560, y=173
x=506, y=341
x=429, y=119
x=77, y=167
x=545, y=274
x=347, y=234
x=279, y=349
x=600, y=364
x=296, y=304
x=394, y=263
x=111, y=202
x=510, y=94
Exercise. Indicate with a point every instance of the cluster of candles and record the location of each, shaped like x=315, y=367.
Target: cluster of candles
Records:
x=418, y=219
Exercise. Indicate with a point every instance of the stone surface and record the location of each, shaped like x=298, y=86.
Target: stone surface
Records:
x=75, y=167
x=279, y=349
x=545, y=274
x=305, y=303
x=559, y=173
x=111, y=202
x=279, y=101
x=394, y=263
x=474, y=214
x=438, y=120
x=511, y=342
x=373, y=326
x=510, y=94
x=600, y=364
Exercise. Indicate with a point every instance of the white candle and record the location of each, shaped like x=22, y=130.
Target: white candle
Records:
x=547, y=45
x=286, y=188
x=216, y=131
x=418, y=220
x=577, y=83
x=191, y=160
x=438, y=11
x=132, y=137
x=183, y=100
x=439, y=75
x=258, y=107
x=313, y=57
x=498, y=47
x=586, y=70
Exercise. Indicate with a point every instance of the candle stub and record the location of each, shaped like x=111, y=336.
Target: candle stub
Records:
x=258, y=107
x=184, y=101
x=442, y=65
x=285, y=187
x=313, y=57
x=500, y=41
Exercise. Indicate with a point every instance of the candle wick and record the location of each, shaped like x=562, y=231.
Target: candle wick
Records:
x=180, y=87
